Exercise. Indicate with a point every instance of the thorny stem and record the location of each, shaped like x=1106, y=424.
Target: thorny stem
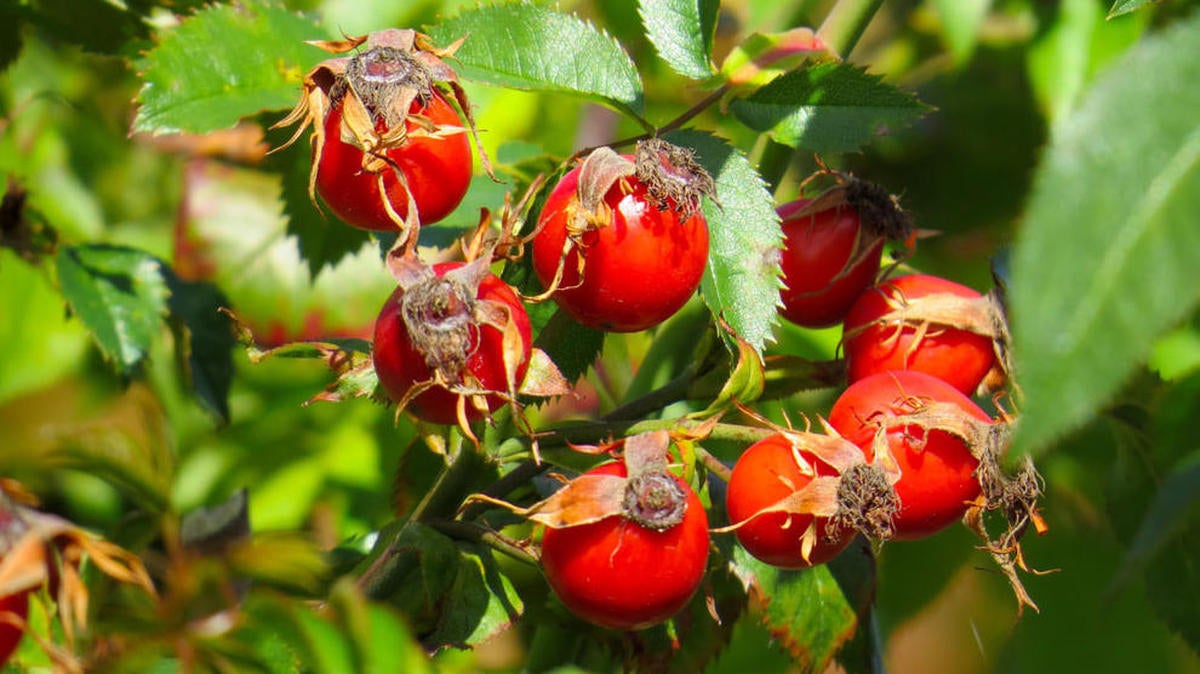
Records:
x=713, y=464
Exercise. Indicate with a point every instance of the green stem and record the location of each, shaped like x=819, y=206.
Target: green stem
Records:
x=597, y=431
x=515, y=478
x=845, y=24
x=691, y=113
x=671, y=392
x=453, y=485
x=473, y=531
x=713, y=464
x=651, y=131
x=441, y=502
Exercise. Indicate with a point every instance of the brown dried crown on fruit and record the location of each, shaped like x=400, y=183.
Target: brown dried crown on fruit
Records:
x=443, y=313
x=376, y=87
x=671, y=174
x=859, y=496
x=879, y=212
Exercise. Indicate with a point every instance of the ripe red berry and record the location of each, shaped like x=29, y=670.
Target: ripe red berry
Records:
x=386, y=128
x=767, y=472
x=620, y=574
x=919, y=323
x=437, y=170
x=828, y=259
x=452, y=335
x=16, y=605
x=937, y=480
x=832, y=248
x=622, y=240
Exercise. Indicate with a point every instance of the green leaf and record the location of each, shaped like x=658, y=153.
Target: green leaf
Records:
x=287, y=560
x=961, y=21
x=325, y=647
x=527, y=46
x=481, y=603
x=741, y=283
x=805, y=611
x=126, y=445
x=120, y=294
x=216, y=526
x=204, y=341
x=682, y=33
x=828, y=108
x=11, y=24
x=382, y=640
x=573, y=347
x=1175, y=504
x=1069, y=51
x=95, y=25
x=224, y=63
x=1120, y=7
x=762, y=57
x=1109, y=254
x=419, y=565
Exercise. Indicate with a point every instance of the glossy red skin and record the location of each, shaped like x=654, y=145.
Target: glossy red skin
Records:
x=398, y=364
x=438, y=171
x=937, y=480
x=816, y=249
x=10, y=636
x=765, y=473
x=958, y=357
x=617, y=574
x=639, y=270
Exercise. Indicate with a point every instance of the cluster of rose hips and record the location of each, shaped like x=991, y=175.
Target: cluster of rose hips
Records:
x=906, y=451
x=621, y=244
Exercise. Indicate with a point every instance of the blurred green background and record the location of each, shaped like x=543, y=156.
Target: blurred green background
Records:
x=999, y=73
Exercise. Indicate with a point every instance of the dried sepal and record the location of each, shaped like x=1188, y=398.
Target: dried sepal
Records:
x=543, y=379
x=37, y=549
x=930, y=314
x=648, y=494
x=859, y=496
x=376, y=87
x=442, y=318
x=879, y=211
x=1014, y=496
x=672, y=176
x=584, y=500
x=673, y=179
